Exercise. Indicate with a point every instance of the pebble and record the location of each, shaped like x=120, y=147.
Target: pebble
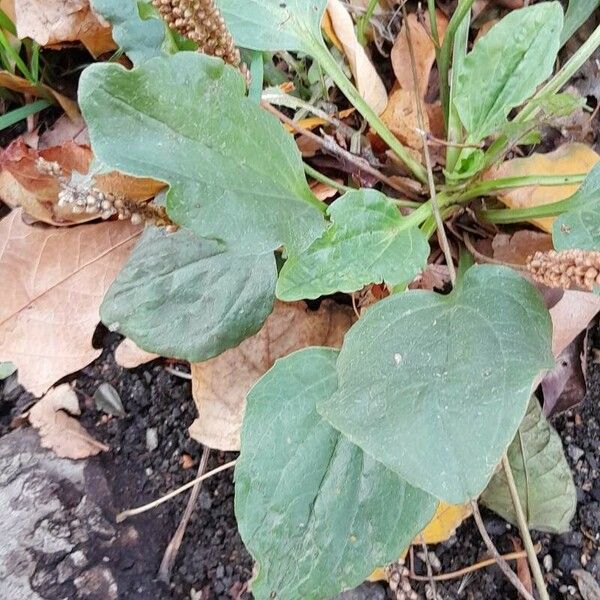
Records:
x=151, y=439
x=575, y=452
x=548, y=564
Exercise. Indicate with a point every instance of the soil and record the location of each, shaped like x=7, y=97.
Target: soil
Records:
x=212, y=563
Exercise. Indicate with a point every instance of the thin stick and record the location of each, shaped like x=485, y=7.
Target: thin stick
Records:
x=429, y=570
x=488, y=259
x=329, y=146
x=178, y=373
x=170, y=555
x=318, y=176
x=442, y=237
x=504, y=567
x=141, y=509
x=476, y=567
x=524, y=529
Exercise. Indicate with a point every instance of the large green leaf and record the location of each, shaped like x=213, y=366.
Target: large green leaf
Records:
x=140, y=39
x=542, y=475
x=579, y=226
x=273, y=24
x=435, y=387
x=368, y=242
x=577, y=14
x=234, y=173
x=315, y=512
x=506, y=65
x=188, y=298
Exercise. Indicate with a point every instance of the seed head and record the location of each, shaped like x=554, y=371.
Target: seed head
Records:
x=566, y=269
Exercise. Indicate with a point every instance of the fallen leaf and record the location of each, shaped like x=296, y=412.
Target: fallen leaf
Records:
x=107, y=399
x=220, y=385
x=53, y=283
x=570, y=316
x=588, y=586
x=327, y=27
x=568, y=159
x=53, y=23
x=367, y=79
x=523, y=572
x=130, y=356
x=22, y=86
x=402, y=119
x=58, y=430
x=23, y=184
x=65, y=130
x=515, y=249
x=423, y=51
x=444, y=523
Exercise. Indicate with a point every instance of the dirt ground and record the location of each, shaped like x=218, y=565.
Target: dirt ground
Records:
x=212, y=562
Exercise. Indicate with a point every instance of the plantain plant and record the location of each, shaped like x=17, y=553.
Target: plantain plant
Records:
x=346, y=454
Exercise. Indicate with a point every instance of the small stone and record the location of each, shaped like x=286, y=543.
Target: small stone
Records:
x=548, y=564
x=151, y=439
x=575, y=452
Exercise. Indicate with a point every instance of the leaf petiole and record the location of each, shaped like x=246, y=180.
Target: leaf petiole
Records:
x=505, y=216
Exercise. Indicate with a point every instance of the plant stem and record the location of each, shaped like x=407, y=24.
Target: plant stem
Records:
x=318, y=176
x=504, y=567
x=491, y=186
x=363, y=22
x=444, y=54
x=14, y=116
x=433, y=22
x=328, y=64
x=504, y=216
x=562, y=77
x=524, y=529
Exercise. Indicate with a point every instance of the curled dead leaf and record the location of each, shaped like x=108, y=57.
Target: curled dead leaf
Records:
x=53, y=23
x=515, y=249
x=568, y=159
x=220, y=385
x=53, y=283
x=367, y=79
x=59, y=431
x=402, y=119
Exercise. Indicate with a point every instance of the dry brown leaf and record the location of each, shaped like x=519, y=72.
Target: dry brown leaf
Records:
x=59, y=431
x=130, y=356
x=22, y=183
x=515, y=249
x=65, y=130
x=220, y=385
x=53, y=281
x=568, y=159
x=587, y=584
x=444, y=523
x=570, y=316
x=367, y=79
x=423, y=50
x=402, y=119
x=53, y=23
x=22, y=86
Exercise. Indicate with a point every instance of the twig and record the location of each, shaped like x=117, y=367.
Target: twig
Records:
x=524, y=530
x=432, y=141
x=476, y=567
x=168, y=560
x=429, y=570
x=329, y=146
x=141, y=509
x=178, y=373
x=504, y=567
x=488, y=259
x=442, y=237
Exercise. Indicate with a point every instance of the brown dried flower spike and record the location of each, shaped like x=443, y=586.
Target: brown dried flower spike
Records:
x=566, y=269
x=201, y=22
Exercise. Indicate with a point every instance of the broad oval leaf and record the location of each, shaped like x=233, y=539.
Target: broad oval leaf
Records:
x=368, y=242
x=579, y=226
x=274, y=25
x=141, y=39
x=235, y=175
x=542, y=475
x=435, y=387
x=188, y=298
x=518, y=53
x=316, y=513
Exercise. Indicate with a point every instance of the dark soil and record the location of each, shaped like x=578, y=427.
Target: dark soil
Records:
x=212, y=563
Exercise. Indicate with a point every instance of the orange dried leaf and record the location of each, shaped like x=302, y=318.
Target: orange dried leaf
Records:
x=569, y=159
x=444, y=523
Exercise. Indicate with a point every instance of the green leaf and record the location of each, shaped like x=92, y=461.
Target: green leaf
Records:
x=140, y=39
x=542, y=475
x=6, y=369
x=518, y=54
x=435, y=387
x=274, y=25
x=315, y=512
x=235, y=174
x=577, y=14
x=579, y=226
x=368, y=242
x=188, y=298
